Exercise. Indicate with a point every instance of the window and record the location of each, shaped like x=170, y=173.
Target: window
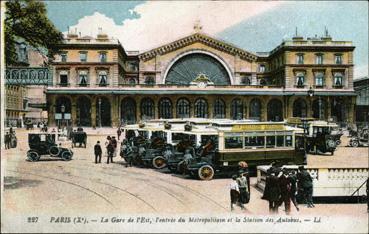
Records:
x=183, y=108
x=261, y=68
x=63, y=75
x=165, y=108
x=280, y=141
x=83, y=56
x=150, y=80
x=288, y=141
x=319, y=79
x=132, y=81
x=246, y=80
x=83, y=78
x=270, y=141
x=219, y=109
x=63, y=57
x=147, y=109
x=263, y=82
x=201, y=108
x=300, y=58
x=233, y=142
x=300, y=79
x=338, y=58
x=319, y=59
x=255, y=109
x=254, y=141
x=103, y=78
x=102, y=57
x=237, y=109
x=338, y=80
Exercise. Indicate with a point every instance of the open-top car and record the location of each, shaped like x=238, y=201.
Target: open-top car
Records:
x=44, y=144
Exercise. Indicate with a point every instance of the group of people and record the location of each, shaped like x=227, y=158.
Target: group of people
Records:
x=240, y=189
x=111, y=145
x=284, y=186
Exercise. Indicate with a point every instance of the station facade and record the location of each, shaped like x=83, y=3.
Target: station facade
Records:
x=96, y=82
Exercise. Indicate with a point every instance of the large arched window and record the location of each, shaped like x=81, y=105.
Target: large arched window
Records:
x=103, y=110
x=165, y=108
x=319, y=107
x=338, y=109
x=219, y=109
x=147, y=109
x=201, y=108
x=83, y=111
x=183, y=108
x=128, y=111
x=255, y=109
x=299, y=108
x=237, y=109
x=275, y=110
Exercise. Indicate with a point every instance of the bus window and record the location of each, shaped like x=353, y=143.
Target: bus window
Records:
x=280, y=141
x=254, y=141
x=205, y=138
x=288, y=141
x=144, y=134
x=233, y=142
x=270, y=141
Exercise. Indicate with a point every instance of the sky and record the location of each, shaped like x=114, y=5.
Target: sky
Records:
x=255, y=26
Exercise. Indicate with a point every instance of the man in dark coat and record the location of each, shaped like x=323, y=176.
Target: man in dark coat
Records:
x=272, y=191
x=98, y=152
x=306, y=182
x=110, y=151
x=293, y=180
x=7, y=141
x=285, y=188
x=119, y=132
x=244, y=189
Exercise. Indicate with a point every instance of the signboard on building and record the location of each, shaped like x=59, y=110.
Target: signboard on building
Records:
x=58, y=116
x=67, y=116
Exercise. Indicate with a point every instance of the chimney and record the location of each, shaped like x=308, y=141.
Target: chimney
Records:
x=297, y=37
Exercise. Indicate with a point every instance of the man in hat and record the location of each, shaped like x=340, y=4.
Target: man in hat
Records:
x=272, y=191
x=98, y=152
x=285, y=188
x=306, y=183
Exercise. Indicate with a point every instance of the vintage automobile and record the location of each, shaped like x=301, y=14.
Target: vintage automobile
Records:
x=362, y=138
x=255, y=143
x=79, y=137
x=44, y=144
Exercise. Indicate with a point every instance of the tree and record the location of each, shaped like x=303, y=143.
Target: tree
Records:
x=26, y=20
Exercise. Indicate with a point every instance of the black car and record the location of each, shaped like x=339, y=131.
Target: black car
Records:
x=44, y=144
x=79, y=137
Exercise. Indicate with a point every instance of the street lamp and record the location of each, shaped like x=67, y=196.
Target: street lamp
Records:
x=311, y=92
x=100, y=112
x=62, y=109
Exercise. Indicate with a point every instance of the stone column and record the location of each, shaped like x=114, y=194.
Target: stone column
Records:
x=328, y=108
x=264, y=109
x=51, y=111
x=351, y=111
x=93, y=112
x=210, y=107
x=174, y=105
x=138, y=108
x=73, y=111
x=114, y=111
x=227, y=103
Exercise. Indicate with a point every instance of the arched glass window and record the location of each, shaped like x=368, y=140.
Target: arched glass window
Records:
x=255, y=109
x=237, y=109
x=201, y=108
x=318, y=108
x=147, y=109
x=165, y=108
x=219, y=109
x=183, y=108
x=299, y=108
x=275, y=110
x=338, y=109
x=128, y=110
x=83, y=111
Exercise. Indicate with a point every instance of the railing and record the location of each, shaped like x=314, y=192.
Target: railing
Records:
x=28, y=76
x=358, y=191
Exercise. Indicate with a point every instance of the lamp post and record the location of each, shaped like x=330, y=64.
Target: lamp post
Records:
x=100, y=112
x=62, y=109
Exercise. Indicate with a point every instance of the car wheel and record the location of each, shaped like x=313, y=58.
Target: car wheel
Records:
x=66, y=155
x=355, y=143
x=338, y=142
x=206, y=172
x=33, y=156
x=54, y=151
x=159, y=162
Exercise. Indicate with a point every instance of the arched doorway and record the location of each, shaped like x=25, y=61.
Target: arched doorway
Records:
x=299, y=108
x=63, y=109
x=104, y=110
x=165, y=108
x=275, y=110
x=338, y=109
x=83, y=111
x=318, y=108
x=183, y=108
x=201, y=108
x=128, y=111
x=255, y=109
x=219, y=109
x=237, y=109
x=147, y=109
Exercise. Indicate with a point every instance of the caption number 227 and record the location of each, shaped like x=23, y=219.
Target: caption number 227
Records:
x=32, y=219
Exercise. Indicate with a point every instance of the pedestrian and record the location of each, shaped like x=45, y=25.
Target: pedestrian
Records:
x=7, y=140
x=306, y=182
x=114, y=142
x=110, y=152
x=119, y=132
x=272, y=191
x=234, y=191
x=293, y=181
x=98, y=152
x=285, y=188
x=243, y=188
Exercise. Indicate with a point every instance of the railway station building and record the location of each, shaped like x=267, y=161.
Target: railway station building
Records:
x=97, y=83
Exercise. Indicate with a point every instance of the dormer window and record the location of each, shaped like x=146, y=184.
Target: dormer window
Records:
x=261, y=68
x=319, y=59
x=83, y=56
x=83, y=78
x=300, y=58
x=102, y=57
x=103, y=78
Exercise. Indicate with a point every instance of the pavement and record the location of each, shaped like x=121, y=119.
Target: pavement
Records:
x=52, y=186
